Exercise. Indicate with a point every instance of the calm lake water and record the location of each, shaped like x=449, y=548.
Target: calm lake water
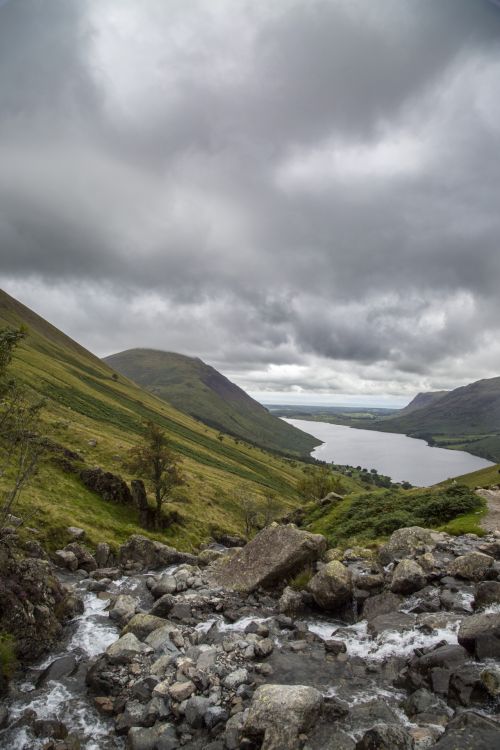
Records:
x=398, y=456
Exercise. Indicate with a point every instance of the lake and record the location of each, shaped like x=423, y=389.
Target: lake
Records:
x=397, y=456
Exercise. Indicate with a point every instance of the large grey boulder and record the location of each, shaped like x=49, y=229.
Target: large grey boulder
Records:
x=331, y=587
x=279, y=713
x=126, y=648
x=480, y=635
x=381, y=604
x=141, y=553
x=274, y=555
x=473, y=566
x=405, y=543
x=470, y=731
x=408, y=577
x=141, y=625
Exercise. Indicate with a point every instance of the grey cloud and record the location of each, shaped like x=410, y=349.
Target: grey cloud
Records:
x=308, y=185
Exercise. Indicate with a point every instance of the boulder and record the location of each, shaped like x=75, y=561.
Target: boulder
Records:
x=487, y=593
x=85, y=559
x=291, y=602
x=123, y=609
x=166, y=584
x=103, y=554
x=141, y=553
x=480, y=635
x=195, y=710
x=60, y=667
x=31, y=602
x=76, y=533
x=161, y=736
x=163, y=606
x=470, y=730
x=490, y=678
x=234, y=679
x=381, y=604
x=109, y=486
x=126, y=648
x=331, y=587
x=160, y=639
x=280, y=713
x=274, y=555
x=386, y=737
x=408, y=577
x=66, y=559
x=393, y=621
x=180, y=691
x=141, y=625
x=472, y=567
x=405, y=543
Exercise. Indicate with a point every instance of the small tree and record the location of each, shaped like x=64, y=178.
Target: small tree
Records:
x=157, y=465
x=20, y=443
x=272, y=507
x=249, y=507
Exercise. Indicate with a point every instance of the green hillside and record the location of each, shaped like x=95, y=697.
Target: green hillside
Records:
x=90, y=412
x=467, y=418
x=197, y=389
x=422, y=400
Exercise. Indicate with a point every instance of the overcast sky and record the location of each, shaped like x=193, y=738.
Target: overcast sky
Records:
x=304, y=193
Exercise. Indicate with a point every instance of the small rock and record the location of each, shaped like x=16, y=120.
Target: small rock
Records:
x=179, y=691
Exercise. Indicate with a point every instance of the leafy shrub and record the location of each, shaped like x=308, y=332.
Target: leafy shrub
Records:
x=373, y=514
x=300, y=581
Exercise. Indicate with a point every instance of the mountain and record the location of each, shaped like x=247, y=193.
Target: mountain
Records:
x=100, y=416
x=420, y=401
x=199, y=390
x=467, y=418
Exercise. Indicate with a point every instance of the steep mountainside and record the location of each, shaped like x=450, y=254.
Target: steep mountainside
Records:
x=99, y=415
x=467, y=417
x=420, y=401
x=197, y=389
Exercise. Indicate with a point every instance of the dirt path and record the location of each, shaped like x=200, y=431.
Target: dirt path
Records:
x=491, y=521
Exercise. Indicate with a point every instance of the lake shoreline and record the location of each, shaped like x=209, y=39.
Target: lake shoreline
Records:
x=393, y=454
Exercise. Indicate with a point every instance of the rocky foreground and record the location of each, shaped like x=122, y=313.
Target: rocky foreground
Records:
x=391, y=650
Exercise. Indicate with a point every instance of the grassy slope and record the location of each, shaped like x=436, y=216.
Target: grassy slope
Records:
x=326, y=521
x=197, y=389
x=421, y=401
x=467, y=418
x=85, y=404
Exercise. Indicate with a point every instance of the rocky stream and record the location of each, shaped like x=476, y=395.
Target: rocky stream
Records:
x=398, y=649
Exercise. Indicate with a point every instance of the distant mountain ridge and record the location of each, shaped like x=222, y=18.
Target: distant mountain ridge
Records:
x=199, y=390
x=422, y=400
x=467, y=417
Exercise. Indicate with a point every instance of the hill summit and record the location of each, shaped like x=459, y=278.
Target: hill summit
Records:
x=199, y=390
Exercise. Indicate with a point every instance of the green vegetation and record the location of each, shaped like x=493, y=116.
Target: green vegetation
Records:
x=158, y=465
x=8, y=661
x=482, y=478
x=89, y=411
x=372, y=515
x=300, y=581
x=197, y=389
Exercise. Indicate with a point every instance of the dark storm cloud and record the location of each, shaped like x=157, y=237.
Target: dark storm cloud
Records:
x=303, y=193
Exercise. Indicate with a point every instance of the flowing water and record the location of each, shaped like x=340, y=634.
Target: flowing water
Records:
x=400, y=457
x=66, y=699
